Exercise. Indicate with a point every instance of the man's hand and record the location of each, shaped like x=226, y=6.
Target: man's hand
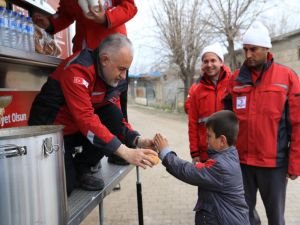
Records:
x=140, y=157
x=97, y=14
x=145, y=143
x=40, y=20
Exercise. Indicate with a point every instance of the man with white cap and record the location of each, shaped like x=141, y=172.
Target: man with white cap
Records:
x=266, y=99
x=206, y=99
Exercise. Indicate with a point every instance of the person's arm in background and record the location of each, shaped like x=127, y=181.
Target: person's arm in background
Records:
x=294, y=117
x=187, y=102
x=115, y=15
x=62, y=19
x=193, y=128
x=227, y=100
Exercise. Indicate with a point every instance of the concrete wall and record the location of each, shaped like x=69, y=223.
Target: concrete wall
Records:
x=286, y=51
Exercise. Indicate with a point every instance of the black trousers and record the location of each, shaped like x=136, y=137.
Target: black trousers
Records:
x=111, y=116
x=271, y=183
x=204, y=217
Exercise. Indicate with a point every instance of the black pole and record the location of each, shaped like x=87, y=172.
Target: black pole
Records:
x=139, y=197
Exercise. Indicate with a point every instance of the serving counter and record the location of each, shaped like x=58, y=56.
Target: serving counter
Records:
x=81, y=202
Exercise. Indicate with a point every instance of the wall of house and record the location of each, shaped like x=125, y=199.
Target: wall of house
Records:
x=287, y=52
x=165, y=92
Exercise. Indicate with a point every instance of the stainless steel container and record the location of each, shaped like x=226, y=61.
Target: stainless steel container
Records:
x=32, y=177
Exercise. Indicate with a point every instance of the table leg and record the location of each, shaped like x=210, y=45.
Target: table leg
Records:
x=101, y=214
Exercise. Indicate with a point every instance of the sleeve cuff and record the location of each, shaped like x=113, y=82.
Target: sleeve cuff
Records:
x=164, y=152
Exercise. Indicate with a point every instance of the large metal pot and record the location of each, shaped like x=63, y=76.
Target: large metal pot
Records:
x=32, y=177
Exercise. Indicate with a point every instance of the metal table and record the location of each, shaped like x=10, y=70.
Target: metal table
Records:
x=81, y=202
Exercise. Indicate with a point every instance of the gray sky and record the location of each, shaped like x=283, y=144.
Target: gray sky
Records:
x=141, y=31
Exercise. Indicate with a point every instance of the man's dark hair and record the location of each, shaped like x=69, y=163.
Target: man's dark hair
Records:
x=224, y=123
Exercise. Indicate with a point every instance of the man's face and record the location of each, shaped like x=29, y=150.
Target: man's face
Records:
x=115, y=66
x=255, y=56
x=211, y=65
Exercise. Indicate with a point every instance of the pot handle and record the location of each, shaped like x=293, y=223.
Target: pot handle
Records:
x=9, y=151
x=48, y=147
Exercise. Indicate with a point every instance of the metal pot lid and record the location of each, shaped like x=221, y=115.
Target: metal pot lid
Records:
x=28, y=131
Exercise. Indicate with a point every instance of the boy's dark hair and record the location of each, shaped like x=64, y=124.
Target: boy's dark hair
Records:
x=224, y=123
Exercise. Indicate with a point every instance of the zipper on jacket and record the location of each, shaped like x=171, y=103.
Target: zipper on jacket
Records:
x=216, y=97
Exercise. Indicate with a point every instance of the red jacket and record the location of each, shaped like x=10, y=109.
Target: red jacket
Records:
x=205, y=100
x=269, y=116
x=88, y=33
x=70, y=97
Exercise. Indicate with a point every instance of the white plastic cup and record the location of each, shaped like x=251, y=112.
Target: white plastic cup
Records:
x=84, y=4
x=94, y=4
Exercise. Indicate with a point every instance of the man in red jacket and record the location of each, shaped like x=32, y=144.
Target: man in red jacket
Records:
x=91, y=30
x=83, y=95
x=206, y=99
x=266, y=99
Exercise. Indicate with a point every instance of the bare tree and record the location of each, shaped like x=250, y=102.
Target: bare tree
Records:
x=279, y=27
x=226, y=18
x=284, y=23
x=182, y=34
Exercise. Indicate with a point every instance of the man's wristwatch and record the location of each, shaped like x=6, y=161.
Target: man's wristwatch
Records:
x=136, y=141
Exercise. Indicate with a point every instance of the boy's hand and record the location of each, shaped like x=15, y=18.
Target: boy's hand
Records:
x=160, y=142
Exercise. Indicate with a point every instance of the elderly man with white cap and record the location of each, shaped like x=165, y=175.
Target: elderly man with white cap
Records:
x=207, y=98
x=265, y=96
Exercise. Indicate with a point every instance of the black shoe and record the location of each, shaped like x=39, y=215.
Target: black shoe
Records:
x=114, y=159
x=90, y=182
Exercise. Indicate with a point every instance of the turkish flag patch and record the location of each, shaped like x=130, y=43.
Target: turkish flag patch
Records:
x=81, y=81
x=208, y=164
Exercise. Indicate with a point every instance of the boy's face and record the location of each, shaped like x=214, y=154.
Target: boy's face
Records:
x=214, y=143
